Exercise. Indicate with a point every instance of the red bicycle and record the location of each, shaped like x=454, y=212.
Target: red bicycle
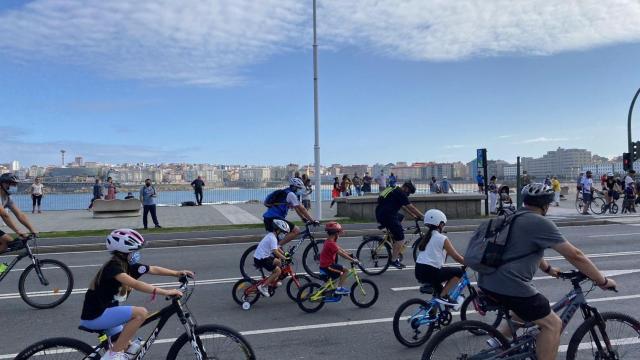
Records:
x=246, y=293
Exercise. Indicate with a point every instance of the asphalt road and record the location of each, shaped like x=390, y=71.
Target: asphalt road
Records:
x=276, y=327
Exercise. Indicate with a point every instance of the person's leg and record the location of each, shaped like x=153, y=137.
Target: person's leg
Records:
x=138, y=315
x=33, y=201
x=154, y=217
x=145, y=212
x=548, y=339
x=39, y=202
x=397, y=232
x=295, y=231
x=275, y=273
x=397, y=249
x=4, y=241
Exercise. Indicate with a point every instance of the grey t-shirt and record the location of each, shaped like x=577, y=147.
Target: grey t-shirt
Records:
x=530, y=233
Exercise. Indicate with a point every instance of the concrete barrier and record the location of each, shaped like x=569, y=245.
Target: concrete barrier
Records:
x=456, y=206
x=116, y=208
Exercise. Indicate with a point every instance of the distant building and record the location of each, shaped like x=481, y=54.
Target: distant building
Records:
x=254, y=174
x=78, y=174
x=355, y=169
x=79, y=161
x=564, y=163
x=15, y=165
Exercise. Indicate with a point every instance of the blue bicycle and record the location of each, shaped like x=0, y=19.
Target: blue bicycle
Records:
x=416, y=319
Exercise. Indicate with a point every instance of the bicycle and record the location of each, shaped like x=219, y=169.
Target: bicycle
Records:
x=245, y=291
x=49, y=273
x=204, y=341
x=374, y=252
x=596, y=206
x=310, y=255
x=594, y=338
x=434, y=315
x=312, y=297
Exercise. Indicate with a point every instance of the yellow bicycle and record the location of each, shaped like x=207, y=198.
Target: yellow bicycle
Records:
x=312, y=296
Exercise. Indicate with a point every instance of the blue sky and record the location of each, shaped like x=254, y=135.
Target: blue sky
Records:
x=231, y=81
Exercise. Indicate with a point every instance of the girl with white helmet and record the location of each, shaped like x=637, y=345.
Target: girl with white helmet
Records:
x=113, y=283
x=433, y=250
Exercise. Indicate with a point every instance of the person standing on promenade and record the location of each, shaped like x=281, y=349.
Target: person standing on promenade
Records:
x=366, y=183
x=381, y=180
x=555, y=185
x=579, y=185
x=8, y=187
x=37, y=190
x=446, y=186
x=306, y=197
x=480, y=181
x=526, y=180
x=434, y=188
x=111, y=189
x=97, y=193
x=357, y=183
x=197, y=186
x=345, y=185
x=587, y=192
x=148, y=196
x=392, y=180
x=493, y=194
x=335, y=191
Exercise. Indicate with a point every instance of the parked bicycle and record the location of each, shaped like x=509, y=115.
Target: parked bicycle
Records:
x=45, y=283
x=310, y=255
x=597, y=205
x=245, y=291
x=374, y=252
x=198, y=341
x=416, y=319
x=312, y=297
x=607, y=335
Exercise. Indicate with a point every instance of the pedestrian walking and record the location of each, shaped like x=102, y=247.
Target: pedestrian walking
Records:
x=357, y=184
x=197, y=186
x=446, y=186
x=148, y=197
x=97, y=193
x=480, y=182
x=345, y=185
x=493, y=194
x=335, y=192
x=434, y=187
x=392, y=180
x=37, y=191
x=111, y=189
x=306, y=196
x=381, y=180
x=555, y=185
x=366, y=183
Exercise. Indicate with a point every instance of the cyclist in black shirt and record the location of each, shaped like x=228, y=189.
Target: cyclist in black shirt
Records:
x=390, y=201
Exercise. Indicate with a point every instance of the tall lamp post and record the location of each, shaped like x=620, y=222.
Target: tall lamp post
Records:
x=316, y=120
x=630, y=142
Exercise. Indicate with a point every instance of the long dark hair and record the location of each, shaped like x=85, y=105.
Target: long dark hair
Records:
x=120, y=258
x=425, y=239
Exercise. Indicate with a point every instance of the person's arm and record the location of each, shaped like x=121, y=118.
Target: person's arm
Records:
x=413, y=211
x=279, y=254
x=127, y=280
x=577, y=258
x=451, y=251
x=9, y=222
x=342, y=253
x=548, y=269
x=303, y=213
x=22, y=218
x=157, y=270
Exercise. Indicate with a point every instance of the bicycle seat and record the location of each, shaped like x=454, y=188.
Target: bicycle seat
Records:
x=91, y=330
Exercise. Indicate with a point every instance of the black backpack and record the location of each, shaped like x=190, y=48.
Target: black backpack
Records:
x=277, y=197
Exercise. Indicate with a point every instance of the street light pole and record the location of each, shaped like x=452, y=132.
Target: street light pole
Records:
x=630, y=142
x=316, y=147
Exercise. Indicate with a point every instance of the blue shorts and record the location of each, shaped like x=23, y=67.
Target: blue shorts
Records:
x=112, y=320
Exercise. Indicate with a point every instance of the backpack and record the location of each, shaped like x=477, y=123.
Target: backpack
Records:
x=487, y=245
x=188, y=203
x=277, y=197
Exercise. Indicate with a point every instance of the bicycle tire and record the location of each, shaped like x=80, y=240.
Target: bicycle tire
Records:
x=249, y=270
x=368, y=252
x=419, y=338
x=450, y=332
x=214, y=334
x=302, y=279
x=361, y=291
x=464, y=311
x=303, y=298
x=311, y=263
x=46, y=263
x=590, y=324
x=239, y=292
x=415, y=251
x=614, y=208
x=38, y=350
x=597, y=206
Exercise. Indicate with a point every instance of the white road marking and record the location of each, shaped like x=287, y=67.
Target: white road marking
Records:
x=236, y=215
x=613, y=235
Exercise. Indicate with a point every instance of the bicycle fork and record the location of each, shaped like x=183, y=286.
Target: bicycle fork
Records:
x=603, y=332
x=196, y=343
x=36, y=265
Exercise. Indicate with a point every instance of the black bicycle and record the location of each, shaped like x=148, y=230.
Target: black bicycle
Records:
x=310, y=255
x=198, y=341
x=374, y=252
x=602, y=336
x=45, y=283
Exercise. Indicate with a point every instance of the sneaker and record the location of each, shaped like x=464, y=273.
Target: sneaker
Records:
x=342, y=291
x=263, y=290
x=446, y=301
x=398, y=265
x=279, y=283
x=112, y=355
x=493, y=343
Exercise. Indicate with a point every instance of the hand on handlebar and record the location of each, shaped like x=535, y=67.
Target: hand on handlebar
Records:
x=173, y=293
x=314, y=222
x=609, y=284
x=188, y=273
x=554, y=272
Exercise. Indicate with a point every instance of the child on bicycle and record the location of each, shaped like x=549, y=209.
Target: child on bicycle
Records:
x=269, y=257
x=113, y=283
x=328, y=262
x=434, y=248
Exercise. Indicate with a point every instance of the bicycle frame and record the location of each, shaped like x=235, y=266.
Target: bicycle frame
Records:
x=387, y=238
x=306, y=234
x=26, y=252
x=423, y=314
x=330, y=285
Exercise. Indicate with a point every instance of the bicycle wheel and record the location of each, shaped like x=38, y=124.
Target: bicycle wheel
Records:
x=247, y=268
x=304, y=301
x=374, y=255
x=45, y=285
x=473, y=310
x=311, y=258
x=364, y=295
x=215, y=342
x=292, y=287
x=56, y=348
x=597, y=206
x=412, y=324
x=622, y=330
x=454, y=342
x=244, y=290
x=614, y=208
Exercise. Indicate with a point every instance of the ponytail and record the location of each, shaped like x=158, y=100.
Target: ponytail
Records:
x=425, y=239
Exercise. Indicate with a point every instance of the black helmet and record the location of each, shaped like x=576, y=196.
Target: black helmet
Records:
x=537, y=194
x=410, y=186
x=8, y=178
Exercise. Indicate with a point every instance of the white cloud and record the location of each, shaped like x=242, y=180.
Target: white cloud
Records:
x=214, y=42
x=455, y=146
x=543, y=139
x=505, y=136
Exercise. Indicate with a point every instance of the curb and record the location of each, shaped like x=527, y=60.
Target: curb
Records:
x=239, y=239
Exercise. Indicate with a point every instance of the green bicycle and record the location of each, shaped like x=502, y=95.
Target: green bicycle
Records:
x=312, y=296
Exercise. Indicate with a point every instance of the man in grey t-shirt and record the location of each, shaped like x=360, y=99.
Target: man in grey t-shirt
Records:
x=511, y=284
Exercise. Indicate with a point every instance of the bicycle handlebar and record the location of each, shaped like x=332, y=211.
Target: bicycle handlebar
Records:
x=578, y=276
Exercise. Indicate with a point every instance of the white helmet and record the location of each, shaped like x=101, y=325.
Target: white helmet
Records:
x=610, y=174
x=124, y=241
x=434, y=217
x=281, y=225
x=296, y=182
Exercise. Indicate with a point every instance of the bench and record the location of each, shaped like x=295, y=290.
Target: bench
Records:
x=116, y=208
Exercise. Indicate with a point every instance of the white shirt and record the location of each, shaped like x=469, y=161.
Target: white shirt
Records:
x=434, y=254
x=36, y=189
x=292, y=200
x=628, y=181
x=586, y=184
x=266, y=246
x=382, y=181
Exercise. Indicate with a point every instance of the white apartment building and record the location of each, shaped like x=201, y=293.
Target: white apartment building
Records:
x=254, y=174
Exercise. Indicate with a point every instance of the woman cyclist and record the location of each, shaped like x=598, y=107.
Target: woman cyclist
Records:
x=113, y=283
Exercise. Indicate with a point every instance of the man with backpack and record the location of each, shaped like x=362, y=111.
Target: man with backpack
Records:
x=507, y=251
x=279, y=202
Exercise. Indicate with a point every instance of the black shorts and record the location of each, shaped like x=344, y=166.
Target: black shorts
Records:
x=266, y=263
x=2, y=233
x=393, y=225
x=587, y=196
x=434, y=276
x=268, y=224
x=530, y=308
x=332, y=274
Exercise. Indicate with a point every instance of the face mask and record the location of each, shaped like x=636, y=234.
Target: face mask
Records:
x=135, y=258
x=281, y=236
x=148, y=184
x=300, y=192
x=12, y=190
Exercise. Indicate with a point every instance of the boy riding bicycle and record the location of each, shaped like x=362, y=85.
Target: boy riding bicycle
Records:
x=328, y=262
x=268, y=256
